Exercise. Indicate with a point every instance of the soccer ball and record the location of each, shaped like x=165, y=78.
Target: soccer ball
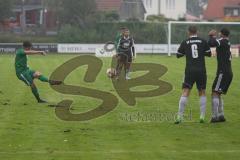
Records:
x=111, y=72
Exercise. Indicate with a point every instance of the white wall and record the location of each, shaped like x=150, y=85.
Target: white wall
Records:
x=151, y=6
x=170, y=8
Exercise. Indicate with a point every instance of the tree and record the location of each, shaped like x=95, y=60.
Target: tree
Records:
x=157, y=18
x=53, y=5
x=78, y=12
x=5, y=9
x=111, y=16
x=195, y=7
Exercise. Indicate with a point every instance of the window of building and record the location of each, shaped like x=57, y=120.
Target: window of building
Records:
x=235, y=12
x=227, y=12
x=232, y=12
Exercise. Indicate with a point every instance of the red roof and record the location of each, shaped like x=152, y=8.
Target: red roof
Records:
x=215, y=8
x=108, y=5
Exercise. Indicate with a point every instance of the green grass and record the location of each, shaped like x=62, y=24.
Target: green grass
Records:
x=32, y=131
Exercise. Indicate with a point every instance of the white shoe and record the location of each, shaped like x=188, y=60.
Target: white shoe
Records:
x=127, y=78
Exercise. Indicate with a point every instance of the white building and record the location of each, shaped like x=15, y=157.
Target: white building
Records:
x=169, y=8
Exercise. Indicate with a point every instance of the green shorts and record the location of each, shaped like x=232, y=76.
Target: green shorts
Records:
x=26, y=76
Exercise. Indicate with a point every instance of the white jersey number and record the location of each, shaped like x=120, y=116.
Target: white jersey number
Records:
x=194, y=51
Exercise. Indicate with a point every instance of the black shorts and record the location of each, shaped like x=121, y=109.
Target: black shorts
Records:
x=125, y=57
x=200, y=77
x=222, y=82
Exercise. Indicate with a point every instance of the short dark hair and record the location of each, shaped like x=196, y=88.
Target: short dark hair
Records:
x=225, y=32
x=27, y=44
x=192, y=29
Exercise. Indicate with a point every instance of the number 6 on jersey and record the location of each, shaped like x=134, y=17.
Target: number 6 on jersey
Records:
x=194, y=51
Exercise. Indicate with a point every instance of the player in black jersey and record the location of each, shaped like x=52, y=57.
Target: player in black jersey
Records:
x=125, y=53
x=224, y=73
x=195, y=49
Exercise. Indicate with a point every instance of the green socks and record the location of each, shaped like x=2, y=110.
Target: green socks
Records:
x=43, y=78
x=35, y=93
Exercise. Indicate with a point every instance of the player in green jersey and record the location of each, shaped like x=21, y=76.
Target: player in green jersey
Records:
x=27, y=75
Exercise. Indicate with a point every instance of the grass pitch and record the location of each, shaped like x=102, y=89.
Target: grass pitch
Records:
x=32, y=131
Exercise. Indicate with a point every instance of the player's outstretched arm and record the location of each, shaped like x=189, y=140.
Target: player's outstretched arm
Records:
x=208, y=52
x=181, y=50
x=33, y=52
x=133, y=52
x=179, y=55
